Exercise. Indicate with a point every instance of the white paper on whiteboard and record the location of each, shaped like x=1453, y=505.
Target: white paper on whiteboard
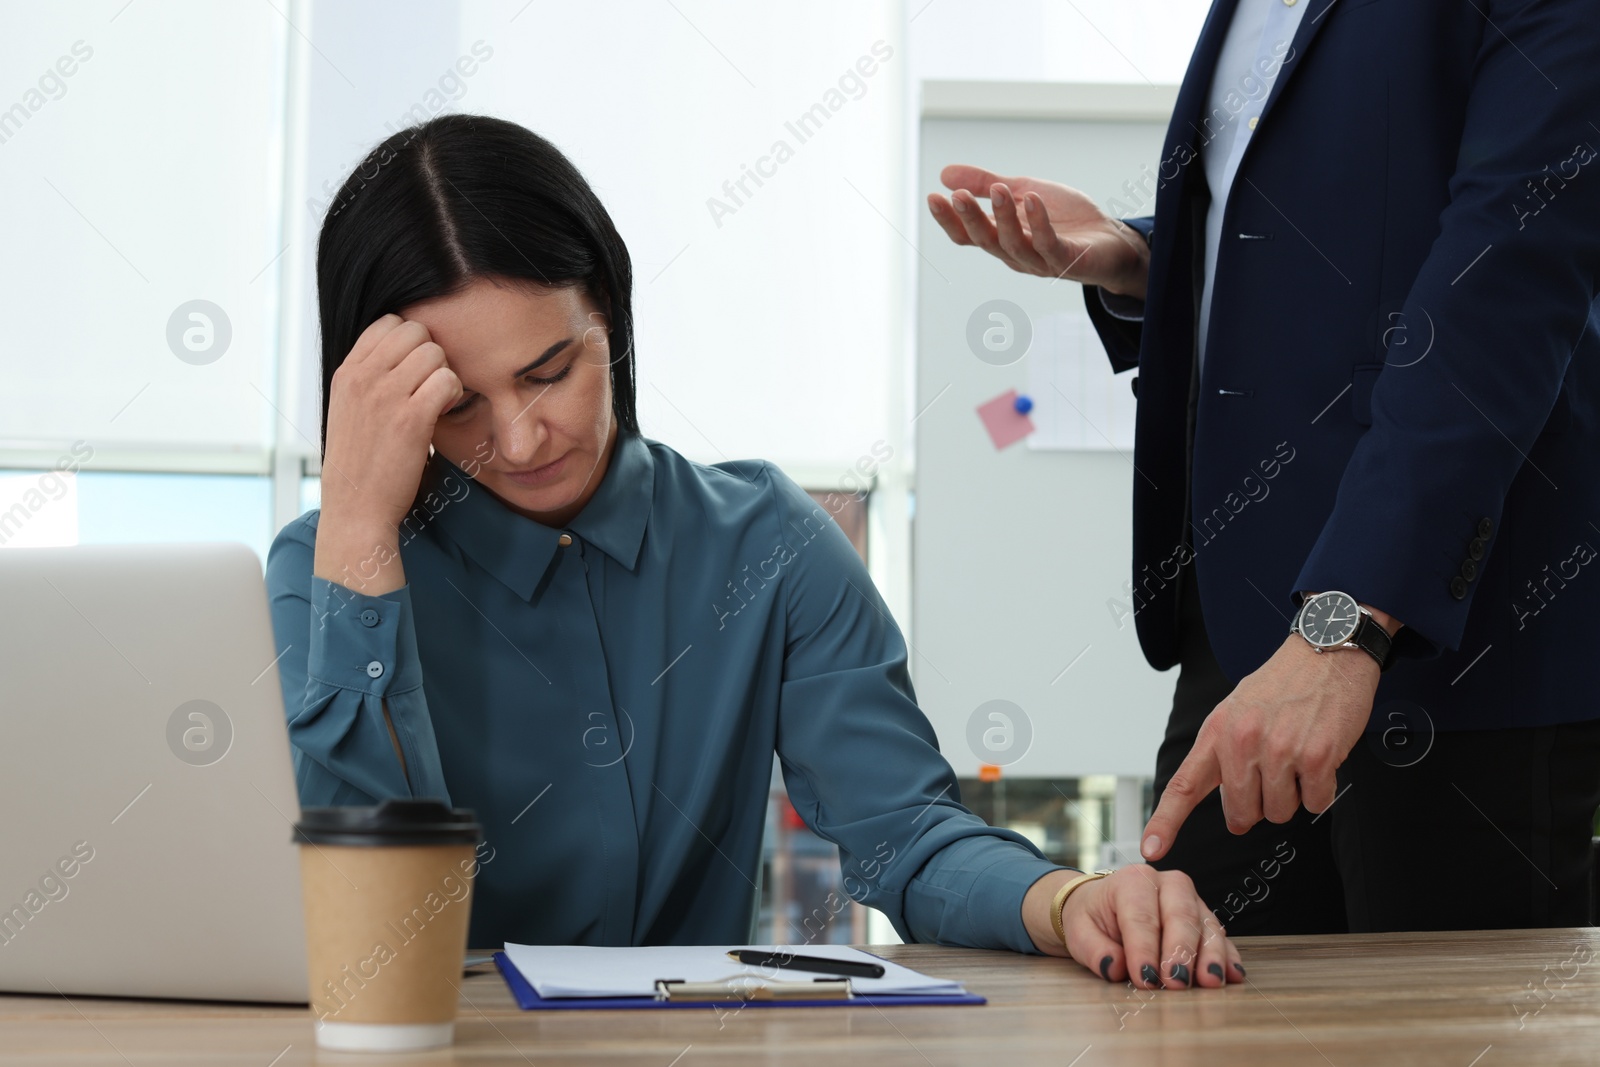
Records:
x=1078, y=404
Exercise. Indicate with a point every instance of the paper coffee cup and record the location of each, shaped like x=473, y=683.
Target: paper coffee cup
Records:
x=388, y=892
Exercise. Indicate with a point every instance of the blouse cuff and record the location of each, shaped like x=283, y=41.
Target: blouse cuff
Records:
x=997, y=894
x=970, y=893
x=363, y=643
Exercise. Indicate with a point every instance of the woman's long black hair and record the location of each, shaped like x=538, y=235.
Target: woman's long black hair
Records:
x=461, y=197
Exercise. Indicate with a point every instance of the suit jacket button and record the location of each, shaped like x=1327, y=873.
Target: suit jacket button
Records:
x=1475, y=548
x=1458, y=587
x=1485, y=527
x=1133, y=383
x=1469, y=569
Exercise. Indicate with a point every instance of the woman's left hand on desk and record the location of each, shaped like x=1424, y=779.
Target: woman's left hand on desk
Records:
x=1139, y=924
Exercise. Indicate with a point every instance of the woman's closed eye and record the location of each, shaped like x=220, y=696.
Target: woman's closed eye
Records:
x=530, y=379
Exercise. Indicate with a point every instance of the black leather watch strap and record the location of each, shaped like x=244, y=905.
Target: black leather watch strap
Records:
x=1375, y=640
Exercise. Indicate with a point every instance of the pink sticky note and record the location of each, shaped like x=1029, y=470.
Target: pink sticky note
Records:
x=1006, y=427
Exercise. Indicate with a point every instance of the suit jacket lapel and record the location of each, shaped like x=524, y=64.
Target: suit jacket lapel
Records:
x=1195, y=92
x=1311, y=24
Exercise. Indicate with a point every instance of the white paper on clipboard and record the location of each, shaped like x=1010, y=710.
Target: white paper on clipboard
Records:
x=1078, y=404
x=557, y=971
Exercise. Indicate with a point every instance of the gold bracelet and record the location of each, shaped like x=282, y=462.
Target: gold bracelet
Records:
x=1060, y=900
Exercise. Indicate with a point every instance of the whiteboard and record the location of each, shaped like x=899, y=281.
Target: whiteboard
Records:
x=1020, y=555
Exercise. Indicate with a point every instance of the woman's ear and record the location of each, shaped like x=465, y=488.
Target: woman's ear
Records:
x=598, y=335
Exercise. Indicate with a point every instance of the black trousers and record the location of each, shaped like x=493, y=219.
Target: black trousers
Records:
x=1451, y=830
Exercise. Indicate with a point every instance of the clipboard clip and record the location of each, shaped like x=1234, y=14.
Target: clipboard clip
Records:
x=746, y=987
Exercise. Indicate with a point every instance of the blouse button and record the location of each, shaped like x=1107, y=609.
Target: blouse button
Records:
x=374, y=669
x=369, y=618
x=564, y=540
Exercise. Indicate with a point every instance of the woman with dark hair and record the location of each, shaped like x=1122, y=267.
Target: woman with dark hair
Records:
x=513, y=601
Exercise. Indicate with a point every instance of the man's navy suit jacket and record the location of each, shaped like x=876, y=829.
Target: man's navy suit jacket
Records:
x=1401, y=391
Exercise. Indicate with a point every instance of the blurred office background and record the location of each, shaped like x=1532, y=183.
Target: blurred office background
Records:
x=164, y=169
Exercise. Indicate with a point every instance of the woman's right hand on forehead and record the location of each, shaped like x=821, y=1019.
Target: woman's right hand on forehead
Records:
x=383, y=402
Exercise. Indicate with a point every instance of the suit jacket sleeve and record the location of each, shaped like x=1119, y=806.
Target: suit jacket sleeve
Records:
x=1504, y=295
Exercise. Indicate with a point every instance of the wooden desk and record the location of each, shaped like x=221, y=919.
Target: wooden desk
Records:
x=1457, y=1000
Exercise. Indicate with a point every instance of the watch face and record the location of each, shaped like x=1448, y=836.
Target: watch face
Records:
x=1329, y=619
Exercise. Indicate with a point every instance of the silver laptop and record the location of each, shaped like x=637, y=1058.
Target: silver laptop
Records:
x=146, y=790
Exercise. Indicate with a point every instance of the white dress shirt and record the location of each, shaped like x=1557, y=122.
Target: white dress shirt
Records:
x=1259, y=40
x=1252, y=54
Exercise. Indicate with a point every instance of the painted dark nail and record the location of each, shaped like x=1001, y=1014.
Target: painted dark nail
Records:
x=1180, y=971
x=1150, y=975
x=1215, y=969
x=1105, y=968
x=1240, y=968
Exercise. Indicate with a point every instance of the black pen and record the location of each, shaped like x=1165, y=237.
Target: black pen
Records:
x=819, y=964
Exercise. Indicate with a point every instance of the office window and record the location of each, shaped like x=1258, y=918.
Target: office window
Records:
x=47, y=508
x=144, y=206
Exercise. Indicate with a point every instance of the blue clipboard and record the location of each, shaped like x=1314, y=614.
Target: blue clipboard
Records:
x=529, y=1000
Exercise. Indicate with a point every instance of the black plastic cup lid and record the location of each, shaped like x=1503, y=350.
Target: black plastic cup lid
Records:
x=396, y=821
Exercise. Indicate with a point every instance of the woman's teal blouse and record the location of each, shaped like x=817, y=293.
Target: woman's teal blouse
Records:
x=608, y=698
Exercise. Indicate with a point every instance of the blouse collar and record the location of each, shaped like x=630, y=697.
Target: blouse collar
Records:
x=516, y=549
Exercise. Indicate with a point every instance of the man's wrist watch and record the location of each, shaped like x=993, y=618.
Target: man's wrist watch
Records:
x=1335, y=620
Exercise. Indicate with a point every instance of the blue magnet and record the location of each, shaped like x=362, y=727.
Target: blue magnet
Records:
x=1023, y=405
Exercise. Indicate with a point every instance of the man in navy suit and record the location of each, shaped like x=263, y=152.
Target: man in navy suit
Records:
x=1364, y=322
